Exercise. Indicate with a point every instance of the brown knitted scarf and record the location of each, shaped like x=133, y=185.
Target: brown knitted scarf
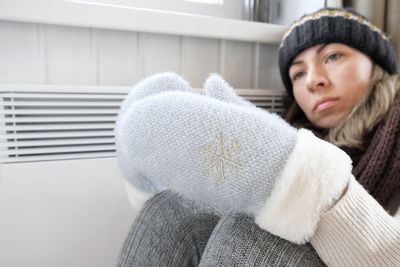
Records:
x=377, y=167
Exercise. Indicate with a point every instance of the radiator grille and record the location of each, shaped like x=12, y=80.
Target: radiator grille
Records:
x=41, y=123
x=268, y=99
x=52, y=123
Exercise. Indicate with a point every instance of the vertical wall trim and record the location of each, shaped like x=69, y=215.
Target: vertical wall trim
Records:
x=140, y=57
x=182, y=46
x=255, y=65
x=94, y=51
x=43, y=51
x=39, y=50
x=221, y=57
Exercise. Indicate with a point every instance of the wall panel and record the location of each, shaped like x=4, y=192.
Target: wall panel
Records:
x=268, y=70
x=239, y=63
x=160, y=53
x=71, y=58
x=199, y=57
x=21, y=53
x=49, y=54
x=117, y=57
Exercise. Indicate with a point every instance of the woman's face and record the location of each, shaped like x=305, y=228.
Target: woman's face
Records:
x=328, y=80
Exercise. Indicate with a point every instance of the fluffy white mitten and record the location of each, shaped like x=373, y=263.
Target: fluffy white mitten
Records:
x=234, y=155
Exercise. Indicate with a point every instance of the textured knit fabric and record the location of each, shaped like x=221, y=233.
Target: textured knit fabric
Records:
x=174, y=231
x=335, y=26
x=170, y=230
x=357, y=231
x=238, y=241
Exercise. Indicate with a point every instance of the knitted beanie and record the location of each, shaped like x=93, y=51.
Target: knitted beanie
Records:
x=332, y=25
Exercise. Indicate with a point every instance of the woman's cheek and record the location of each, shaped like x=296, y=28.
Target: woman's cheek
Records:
x=300, y=96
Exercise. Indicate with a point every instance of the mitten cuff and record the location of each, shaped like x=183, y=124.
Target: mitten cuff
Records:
x=313, y=178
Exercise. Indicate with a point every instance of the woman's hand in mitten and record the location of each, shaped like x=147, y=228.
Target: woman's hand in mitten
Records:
x=233, y=155
x=154, y=84
x=216, y=87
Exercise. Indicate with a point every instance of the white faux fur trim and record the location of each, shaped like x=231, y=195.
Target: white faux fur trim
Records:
x=136, y=197
x=314, y=177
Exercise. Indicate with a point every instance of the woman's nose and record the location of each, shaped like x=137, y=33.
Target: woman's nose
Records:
x=317, y=78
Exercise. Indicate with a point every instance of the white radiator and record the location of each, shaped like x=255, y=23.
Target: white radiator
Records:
x=41, y=123
x=58, y=122
x=63, y=201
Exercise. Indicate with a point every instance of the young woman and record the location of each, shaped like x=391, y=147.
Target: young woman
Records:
x=239, y=186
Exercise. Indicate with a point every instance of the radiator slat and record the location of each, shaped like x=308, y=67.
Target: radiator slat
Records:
x=55, y=95
x=83, y=126
x=58, y=157
x=58, y=142
x=271, y=109
x=65, y=134
x=272, y=104
x=63, y=149
x=53, y=103
x=57, y=119
x=110, y=111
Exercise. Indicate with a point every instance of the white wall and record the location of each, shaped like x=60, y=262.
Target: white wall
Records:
x=48, y=54
x=53, y=217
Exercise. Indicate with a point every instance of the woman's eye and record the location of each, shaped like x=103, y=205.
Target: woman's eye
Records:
x=334, y=57
x=298, y=75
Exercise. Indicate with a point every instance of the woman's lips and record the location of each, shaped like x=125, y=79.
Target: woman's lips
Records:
x=325, y=104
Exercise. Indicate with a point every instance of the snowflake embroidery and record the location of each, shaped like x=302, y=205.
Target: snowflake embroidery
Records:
x=222, y=158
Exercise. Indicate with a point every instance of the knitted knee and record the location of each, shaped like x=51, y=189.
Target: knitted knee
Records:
x=170, y=230
x=191, y=237
x=237, y=240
